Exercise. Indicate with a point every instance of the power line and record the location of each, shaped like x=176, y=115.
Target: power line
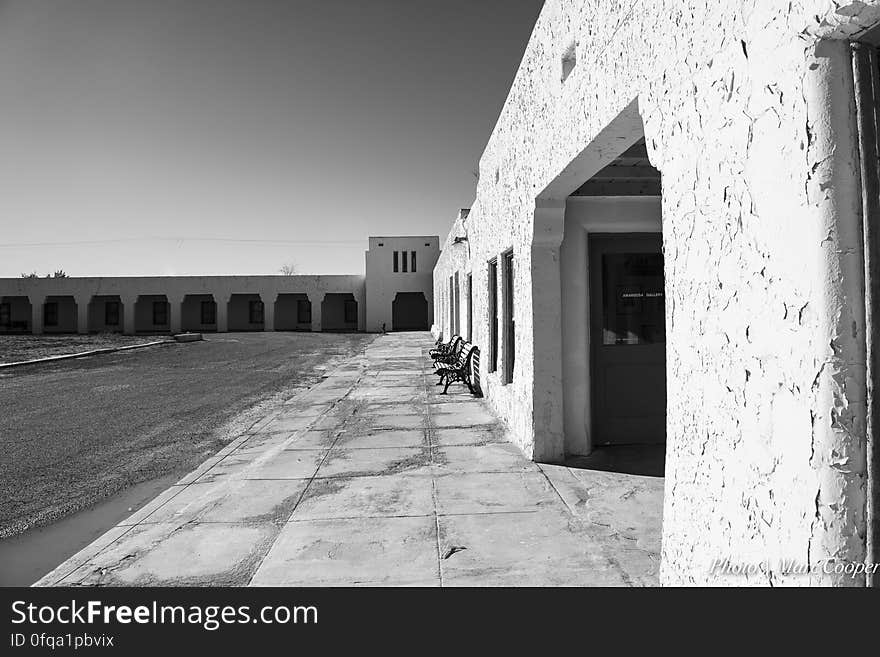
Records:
x=230, y=240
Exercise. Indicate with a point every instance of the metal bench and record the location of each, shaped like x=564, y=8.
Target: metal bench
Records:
x=464, y=367
x=448, y=351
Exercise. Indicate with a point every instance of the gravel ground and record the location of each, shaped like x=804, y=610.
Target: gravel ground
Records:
x=16, y=348
x=78, y=431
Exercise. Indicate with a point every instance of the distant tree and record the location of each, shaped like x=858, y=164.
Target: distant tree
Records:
x=58, y=274
x=33, y=274
x=288, y=270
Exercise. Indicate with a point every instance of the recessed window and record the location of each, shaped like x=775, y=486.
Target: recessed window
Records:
x=304, y=311
x=209, y=312
x=111, y=313
x=5, y=314
x=403, y=256
x=395, y=260
x=255, y=312
x=351, y=311
x=427, y=244
x=470, y=307
x=381, y=244
x=569, y=61
x=412, y=261
x=493, y=314
x=50, y=313
x=507, y=307
x=160, y=313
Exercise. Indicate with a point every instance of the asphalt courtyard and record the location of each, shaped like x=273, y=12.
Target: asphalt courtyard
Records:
x=79, y=431
x=372, y=477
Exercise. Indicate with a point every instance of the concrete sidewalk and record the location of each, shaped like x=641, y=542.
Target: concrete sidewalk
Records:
x=373, y=478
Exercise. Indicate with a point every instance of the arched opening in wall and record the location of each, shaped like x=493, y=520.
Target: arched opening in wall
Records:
x=613, y=316
x=59, y=315
x=198, y=313
x=106, y=314
x=409, y=312
x=152, y=314
x=245, y=312
x=15, y=315
x=293, y=312
x=339, y=312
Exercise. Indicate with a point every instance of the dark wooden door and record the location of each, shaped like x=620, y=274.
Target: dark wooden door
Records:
x=627, y=338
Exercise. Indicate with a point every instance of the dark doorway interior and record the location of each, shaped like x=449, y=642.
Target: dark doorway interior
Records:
x=409, y=312
x=628, y=340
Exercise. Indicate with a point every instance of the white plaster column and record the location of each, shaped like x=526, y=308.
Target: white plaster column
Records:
x=128, y=303
x=174, y=315
x=82, y=314
x=316, y=300
x=547, y=404
x=222, y=301
x=37, y=302
x=268, y=299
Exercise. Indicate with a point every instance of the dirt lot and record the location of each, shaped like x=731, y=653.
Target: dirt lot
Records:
x=77, y=431
x=16, y=348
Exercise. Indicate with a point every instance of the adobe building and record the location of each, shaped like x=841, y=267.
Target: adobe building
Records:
x=171, y=304
x=674, y=242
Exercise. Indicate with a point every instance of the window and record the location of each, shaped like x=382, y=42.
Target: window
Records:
x=395, y=260
x=160, y=313
x=509, y=325
x=457, y=306
x=412, y=261
x=403, y=256
x=50, y=313
x=255, y=312
x=351, y=311
x=381, y=244
x=111, y=313
x=5, y=314
x=470, y=307
x=451, y=306
x=569, y=61
x=209, y=312
x=493, y=315
x=304, y=311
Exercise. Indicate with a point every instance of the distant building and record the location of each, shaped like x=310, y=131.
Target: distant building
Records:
x=666, y=247
x=400, y=297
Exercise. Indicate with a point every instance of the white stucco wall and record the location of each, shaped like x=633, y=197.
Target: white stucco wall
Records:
x=747, y=111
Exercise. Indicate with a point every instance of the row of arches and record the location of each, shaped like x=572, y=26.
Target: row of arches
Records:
x=157, y=313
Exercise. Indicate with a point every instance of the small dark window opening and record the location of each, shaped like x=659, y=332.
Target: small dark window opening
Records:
x=111, y=313
x=209, y=312
x=381, y=244
x=427, y=244
x=304, y=311
x=569, y=61
x=493, y=315
x=351, y=311
x=5, y=314
x=50, y=313
x=255, y=311
x=412, y=261
x=403, y=257
x=160, y=313
x=395, y=261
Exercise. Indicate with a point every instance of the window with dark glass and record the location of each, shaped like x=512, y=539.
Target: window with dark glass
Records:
x=209, y=312
x=5, y=314
x=509, y=324
x=304, y=311
x=403, y=257
x=493, y=315
x=160, y=313
x=351, y=311
x=50, y=313
x=395, y=260
x=111, y=313
x=470, y=307
x=412, y=261
x=255, y=311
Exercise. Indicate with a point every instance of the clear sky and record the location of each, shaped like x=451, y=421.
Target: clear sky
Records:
x=133, y=127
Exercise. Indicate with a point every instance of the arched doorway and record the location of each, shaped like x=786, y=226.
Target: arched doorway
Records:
x=409, y=312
